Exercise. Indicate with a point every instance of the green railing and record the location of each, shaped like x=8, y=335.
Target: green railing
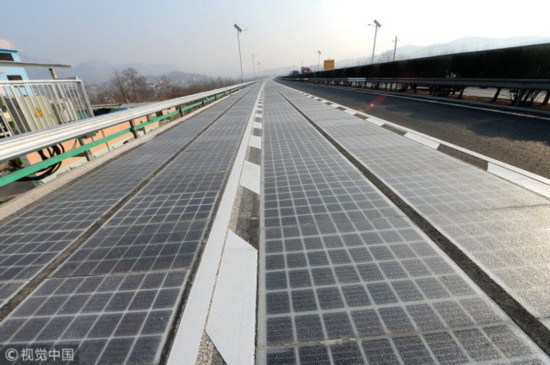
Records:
x=21, y=145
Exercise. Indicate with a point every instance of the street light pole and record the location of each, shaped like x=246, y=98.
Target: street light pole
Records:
x=318, y=60
x=239, y=31
x=376, y=25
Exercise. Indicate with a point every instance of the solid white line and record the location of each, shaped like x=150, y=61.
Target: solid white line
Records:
x=188, y=337
x=232, y=320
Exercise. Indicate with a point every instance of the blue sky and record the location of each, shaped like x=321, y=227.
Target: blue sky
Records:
x=199, y=35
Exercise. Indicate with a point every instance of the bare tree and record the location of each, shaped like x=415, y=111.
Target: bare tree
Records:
x=118, y=82
x=163, y=88
x=129, y=85
x=135, y=82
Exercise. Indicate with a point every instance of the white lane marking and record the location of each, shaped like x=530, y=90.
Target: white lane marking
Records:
x=258, y=125
x=421, y=139
x=374, y=120
x=255, y=142
x=231, y=323
x=189, y=333
x=520, y=179
x=250, y=177
x=350, y=111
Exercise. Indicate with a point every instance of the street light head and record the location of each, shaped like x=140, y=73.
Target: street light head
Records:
x=238, y=28
x=376, y=23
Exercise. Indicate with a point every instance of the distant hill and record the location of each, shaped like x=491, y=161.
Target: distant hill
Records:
x=97, y=71
x=469, y=44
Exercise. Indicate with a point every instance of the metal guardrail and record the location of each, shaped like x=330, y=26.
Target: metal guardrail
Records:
x=31, y=105
x=21, y=145
x=521, y=88
x=451, y=81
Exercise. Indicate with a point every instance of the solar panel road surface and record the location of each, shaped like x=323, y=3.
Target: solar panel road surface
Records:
x=316, y=263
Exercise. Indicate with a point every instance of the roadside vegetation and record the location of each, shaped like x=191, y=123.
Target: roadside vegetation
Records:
x=128, y=86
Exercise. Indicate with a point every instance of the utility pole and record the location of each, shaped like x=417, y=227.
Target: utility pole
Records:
x=318, y=60
x=395, y=46
x=376, y=25
x=253, y=67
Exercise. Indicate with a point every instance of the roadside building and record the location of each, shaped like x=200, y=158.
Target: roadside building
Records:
x=8, y=53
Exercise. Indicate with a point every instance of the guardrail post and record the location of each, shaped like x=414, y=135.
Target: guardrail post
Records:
x=496, y=95
x=133, y=129
x=87, y=153
x=519, y=96
x=158, y=114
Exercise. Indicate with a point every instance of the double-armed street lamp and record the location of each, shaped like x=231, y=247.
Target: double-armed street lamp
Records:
x=239, y=31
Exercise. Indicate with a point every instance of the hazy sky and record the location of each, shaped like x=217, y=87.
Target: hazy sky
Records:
x=199, y=36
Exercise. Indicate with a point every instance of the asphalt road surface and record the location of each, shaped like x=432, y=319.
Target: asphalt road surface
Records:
x=519, y=140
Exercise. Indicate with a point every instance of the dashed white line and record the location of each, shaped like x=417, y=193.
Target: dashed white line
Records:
x=250, y=177
x=255, y=142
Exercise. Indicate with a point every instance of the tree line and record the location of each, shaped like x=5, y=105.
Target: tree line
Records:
x=128, y=86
